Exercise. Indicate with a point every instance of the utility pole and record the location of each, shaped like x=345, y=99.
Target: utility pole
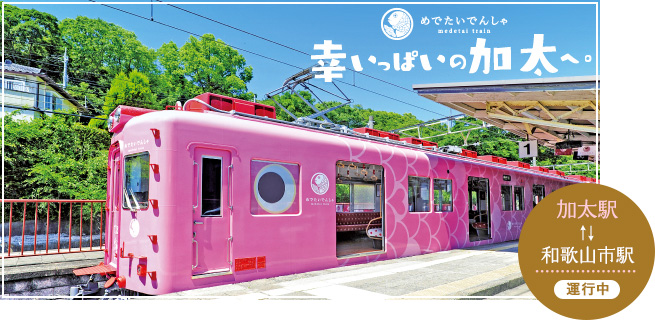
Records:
x=370, y=122
x=65, y=68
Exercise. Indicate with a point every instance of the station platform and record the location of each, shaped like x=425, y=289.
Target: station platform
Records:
x=485, y=272
x=490, y=272
x=46, y=275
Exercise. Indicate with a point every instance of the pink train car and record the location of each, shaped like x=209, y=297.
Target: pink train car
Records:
x=219, y=192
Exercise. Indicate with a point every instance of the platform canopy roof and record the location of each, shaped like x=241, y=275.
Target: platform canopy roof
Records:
x=550, y=110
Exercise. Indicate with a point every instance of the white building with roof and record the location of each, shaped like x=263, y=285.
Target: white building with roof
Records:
x=30, y=91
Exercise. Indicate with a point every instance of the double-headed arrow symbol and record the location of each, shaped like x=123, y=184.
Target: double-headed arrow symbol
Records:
x=591, y=231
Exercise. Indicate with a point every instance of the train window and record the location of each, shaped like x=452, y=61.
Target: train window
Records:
x=506, y=196
x=474, y=200
x=538, y=193
x=518, y=198
x=343, y=197
x=418, y=194
x=211, y=187
x=136, y=184
x=443, y=195
x=363, y=197
x=275, y=187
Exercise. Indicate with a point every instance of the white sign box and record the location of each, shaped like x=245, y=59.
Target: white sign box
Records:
x=528, y=149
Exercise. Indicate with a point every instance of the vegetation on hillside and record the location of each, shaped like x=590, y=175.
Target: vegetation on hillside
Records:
x=65, y=158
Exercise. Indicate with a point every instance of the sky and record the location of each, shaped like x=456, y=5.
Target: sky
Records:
x=570, y=28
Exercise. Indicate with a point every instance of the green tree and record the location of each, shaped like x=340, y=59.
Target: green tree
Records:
x=495, y=141
x=32, y=38
x=352, y=116
x=386, y=121
x=54, y=157
x=87, y=95
x=132, y=90
x=100, y=50
x=172, y=85
x=204, y=64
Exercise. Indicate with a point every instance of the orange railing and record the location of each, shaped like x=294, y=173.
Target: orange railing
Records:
x=48, y=227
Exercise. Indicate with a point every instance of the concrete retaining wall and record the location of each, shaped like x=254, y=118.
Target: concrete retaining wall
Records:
x=44, y=279
x=43, y=286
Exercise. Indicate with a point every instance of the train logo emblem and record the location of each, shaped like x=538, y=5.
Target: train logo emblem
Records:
x=134, y=228
x=397, y=24
x=509, y=225
x=320, y=183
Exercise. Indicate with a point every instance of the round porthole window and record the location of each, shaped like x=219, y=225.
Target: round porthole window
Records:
x=275, y=188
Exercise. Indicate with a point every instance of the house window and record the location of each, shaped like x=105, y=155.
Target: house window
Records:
x=57, y=103
x=518, y=197
x=418, y=194
x=506, y=196
x=18, y=84
x=49, y=101
x=443, y=195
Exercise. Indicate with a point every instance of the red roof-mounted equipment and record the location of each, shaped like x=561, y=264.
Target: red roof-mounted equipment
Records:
x=391, y=136
x=557, y=172
x=228, y=104
x=540, y=169
x=469, y=153
x=493, y=159
x=369, y=131
x=577, y=178
x=519, y=164
x=378, y=133
x=420, y=142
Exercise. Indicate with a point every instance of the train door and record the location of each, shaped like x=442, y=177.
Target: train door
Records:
x=113, y=206
x=360, y=209
x=212, y=213
x=479, y=213
x=538, y=194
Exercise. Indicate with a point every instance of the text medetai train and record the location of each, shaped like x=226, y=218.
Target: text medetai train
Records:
x=218, y=192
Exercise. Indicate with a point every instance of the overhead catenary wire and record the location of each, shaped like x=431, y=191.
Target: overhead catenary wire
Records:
x=99, y=85
x=72, y=89
x=266, y=57
x=308, y=54
x=279, y=44
x=94, y=84
x=195, y=34
x=269, y=58
x=263, y=56
x=55, y=112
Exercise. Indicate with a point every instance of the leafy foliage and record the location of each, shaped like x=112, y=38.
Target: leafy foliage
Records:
x=32, y=38
x=54, y=157
x=100, y=50
x=58, y=158
x=132, y=90
x=495, y=141
x=352, y=116
x=204, y=64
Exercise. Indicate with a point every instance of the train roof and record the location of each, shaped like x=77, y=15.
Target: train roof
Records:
x=429, y=148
